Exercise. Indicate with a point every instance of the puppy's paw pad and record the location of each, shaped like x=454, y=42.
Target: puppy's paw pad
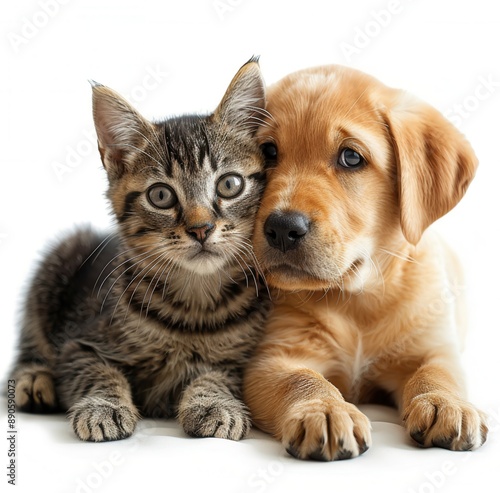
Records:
x=326, y=430
x=435, y=419
x=95, y=419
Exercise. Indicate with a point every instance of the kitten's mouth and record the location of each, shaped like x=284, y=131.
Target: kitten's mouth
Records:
x=204, y=254
x=204, y=262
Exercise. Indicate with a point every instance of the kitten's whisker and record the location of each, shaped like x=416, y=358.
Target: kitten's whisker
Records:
x=156, y=149
x=256, y=119
x=326, y=291
x=102, y=245
x=139, y=150
x=135, y=264
x=247, y=245
x=249, y=269
x=262, y=112
x=234, y=255
x=149, y=267
x=227, y=260
x=118, y=254
x=175, y=267
x=246, y=252
x=161, y=260
x=164, y=266
x=128, y=259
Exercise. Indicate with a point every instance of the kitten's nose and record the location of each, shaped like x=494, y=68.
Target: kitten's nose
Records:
x=200, y=232
x=284, y=230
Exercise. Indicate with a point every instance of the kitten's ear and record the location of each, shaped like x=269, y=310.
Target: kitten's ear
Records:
x=121, y=130
x=243, y=104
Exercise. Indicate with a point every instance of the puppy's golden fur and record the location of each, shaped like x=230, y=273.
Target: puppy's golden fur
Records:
x=367, y=303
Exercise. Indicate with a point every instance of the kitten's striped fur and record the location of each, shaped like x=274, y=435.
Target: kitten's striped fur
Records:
x=159, y=318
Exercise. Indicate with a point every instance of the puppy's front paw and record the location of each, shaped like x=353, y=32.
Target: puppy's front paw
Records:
x=326, y=430
x=215, y=417
x=435, y=419
x=96, y=419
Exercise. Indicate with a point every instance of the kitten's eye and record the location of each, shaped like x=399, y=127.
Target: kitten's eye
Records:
x=162, y=196
x=351, y=159
x=230, y=186
x=270, y=151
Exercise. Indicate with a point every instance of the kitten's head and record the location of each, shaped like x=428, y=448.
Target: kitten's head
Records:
x=185, y=190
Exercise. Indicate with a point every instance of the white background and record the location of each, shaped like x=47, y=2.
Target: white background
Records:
x=175, y=57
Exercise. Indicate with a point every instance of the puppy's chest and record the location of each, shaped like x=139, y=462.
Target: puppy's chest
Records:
x=358, y=354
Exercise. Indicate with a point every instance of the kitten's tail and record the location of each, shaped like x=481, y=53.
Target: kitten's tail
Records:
x=55, y=305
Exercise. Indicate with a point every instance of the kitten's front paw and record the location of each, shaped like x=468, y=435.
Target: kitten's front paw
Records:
x=325, y=430
x=95, y=419
x=435, y=419
x=35, y=390
x=215, y=417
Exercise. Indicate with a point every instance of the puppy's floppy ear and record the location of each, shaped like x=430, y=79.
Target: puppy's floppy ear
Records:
x=121, y=130
x=243, y=104
x=435, y=163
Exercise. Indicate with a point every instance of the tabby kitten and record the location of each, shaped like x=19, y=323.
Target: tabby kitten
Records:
x=158, y=319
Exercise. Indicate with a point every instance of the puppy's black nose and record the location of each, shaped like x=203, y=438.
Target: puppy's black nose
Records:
x=284, y=230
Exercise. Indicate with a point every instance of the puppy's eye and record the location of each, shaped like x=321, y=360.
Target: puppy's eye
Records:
x=270, y=151
x=162, y=196
x=348, y=158
x=230, y=186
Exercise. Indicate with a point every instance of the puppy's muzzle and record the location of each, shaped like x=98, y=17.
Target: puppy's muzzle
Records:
x=285, y=230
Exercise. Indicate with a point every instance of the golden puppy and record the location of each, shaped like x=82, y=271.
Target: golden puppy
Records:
x=367, y=304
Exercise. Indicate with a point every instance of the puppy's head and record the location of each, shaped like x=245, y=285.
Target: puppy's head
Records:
x=355, y=167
